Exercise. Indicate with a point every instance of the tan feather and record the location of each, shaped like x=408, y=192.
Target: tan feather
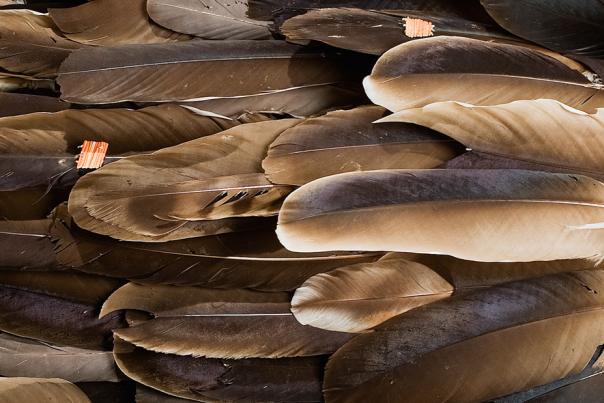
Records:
x=345, y=141
x=26, y=357
x=110, y=23
x=359, y=297
x=356, y=298
x=125, y=130
x=438, y=69
x=213, y=19
x=235, y=152
x=219, y=323
x=483, y=215
x=51, y=390
x=540, y=131
x=523, y=334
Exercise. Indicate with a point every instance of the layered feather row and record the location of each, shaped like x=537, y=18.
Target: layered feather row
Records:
x=302, y=201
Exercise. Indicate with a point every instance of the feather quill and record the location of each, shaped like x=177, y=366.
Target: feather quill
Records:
x=344, y=141
x=523, y=334
x=438, y=69
x=17, y=390
x=218, y=323
x=111, y=23
x=297, y=102
x=210, y=172
x=27, y=357
x=483, y=215
x=542, y=131
x=198, y=69
x=215, y=19
x=218, y=380
x=359, y=297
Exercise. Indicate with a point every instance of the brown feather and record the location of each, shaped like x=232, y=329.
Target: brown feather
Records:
x=483, y=215
x=359, y=297
x=27, y=357
x=35, y=60
x=214, y=19
x=523, y=334
x=375, y=32
x=297, y=102
x=22, y=104
x=541, y=131
x=431, y=70
x=198, y=69
x=232, y=153
x=125, y=130
x=59, y=312
x=217, y=380
x=33, y=28
x=345, y=141
x=110, y=23
x=218, y=323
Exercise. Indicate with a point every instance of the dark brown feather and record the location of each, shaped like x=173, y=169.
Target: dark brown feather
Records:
x=215, y=380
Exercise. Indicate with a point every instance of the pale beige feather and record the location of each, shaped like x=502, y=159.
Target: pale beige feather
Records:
x=542, y=131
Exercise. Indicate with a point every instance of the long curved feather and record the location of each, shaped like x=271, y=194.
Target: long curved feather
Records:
x=523, y=334
x=375, y=32
x=217, y=380
x=484, y=215
x=542, y=131
x=438, y=69
x=359, y=297
x=344, y=141
x=125, y=130
x=218, y=323
x=234, y=153
x=197, y=69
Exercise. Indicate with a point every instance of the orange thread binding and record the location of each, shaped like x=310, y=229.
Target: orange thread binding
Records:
x=92, y=154
x=416, y=28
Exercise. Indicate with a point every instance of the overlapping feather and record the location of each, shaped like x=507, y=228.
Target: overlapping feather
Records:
x=218, y=323
x=483, y=215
